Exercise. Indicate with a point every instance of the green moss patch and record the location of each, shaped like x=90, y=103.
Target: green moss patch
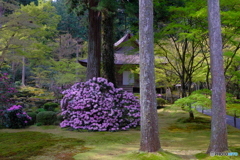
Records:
x=187, y=125
x=195, y=120
x=22, y=145
x=153, y=156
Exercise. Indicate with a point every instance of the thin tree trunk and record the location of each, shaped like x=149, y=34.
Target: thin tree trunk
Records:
x=77, y=58
x=108, y=44
x=1, y=14
x=191, y=114
x=183, y=87
x=218, y=141
x=23, y=70
x=207, y=78
x=149, y=119
x=94, y=41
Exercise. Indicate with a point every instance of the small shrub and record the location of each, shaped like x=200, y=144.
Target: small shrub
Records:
x=40, y=110
x=15, y=117
x=50, y=106
x=96, y=105
x=59, y=119
x=46, y=117
x=161, y=101
x=33, y=116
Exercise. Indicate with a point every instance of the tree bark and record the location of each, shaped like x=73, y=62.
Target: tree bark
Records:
x=108, y=65
x=1, y=14
x=149, y=119
x=94, y=41
x=191, y=114
x=23, y=70
x=218, y=141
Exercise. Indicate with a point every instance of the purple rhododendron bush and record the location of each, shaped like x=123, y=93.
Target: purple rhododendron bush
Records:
x=96, y=105
x=15, y=117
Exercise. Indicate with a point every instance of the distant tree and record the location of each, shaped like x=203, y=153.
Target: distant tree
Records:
x=27, y=2
x=181, y=42
x=218, y=142
x=1, y=13
x=94, y=40
x=71, y=23
x=108, y=10
x=149, y=119
x=94, y=33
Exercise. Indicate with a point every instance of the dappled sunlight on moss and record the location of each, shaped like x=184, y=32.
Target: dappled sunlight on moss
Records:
x=23, y=145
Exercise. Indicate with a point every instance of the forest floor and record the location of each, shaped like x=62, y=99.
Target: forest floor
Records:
x=180, y=139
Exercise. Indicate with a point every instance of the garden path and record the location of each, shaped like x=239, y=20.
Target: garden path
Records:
x=229, y=119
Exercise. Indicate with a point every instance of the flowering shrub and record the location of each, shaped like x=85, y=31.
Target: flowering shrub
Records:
x=7, y=89
x=96, y=105
x=15, y=117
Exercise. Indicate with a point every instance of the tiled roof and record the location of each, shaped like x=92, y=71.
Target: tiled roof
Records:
x=125, y=53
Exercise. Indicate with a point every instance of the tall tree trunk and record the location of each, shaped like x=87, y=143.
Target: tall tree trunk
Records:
x=207, y=77
x=1, y=14
x=191, y=114
x=94, y=41
x=108, y=46
x=218, y=141
x=149, y=119
x=23, y=70
x=77, y=58
x=183, y=88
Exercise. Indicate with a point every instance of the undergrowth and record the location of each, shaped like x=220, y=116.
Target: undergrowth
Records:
x=187, y=124
x=153, y=156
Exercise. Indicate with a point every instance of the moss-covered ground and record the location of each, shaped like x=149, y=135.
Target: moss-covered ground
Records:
x=180, y=137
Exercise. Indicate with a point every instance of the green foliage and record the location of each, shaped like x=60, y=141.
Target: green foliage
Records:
x=28, y=91
x=46, y=118
x=33, y=115
x=188, y=124
x=50, y=106
x=198, y=98
x=23, y=145
x=161, y=101
x=206, y=92
x=233, y=109
x=40, y=110
x=59, y=119
x=137, y=95
x=65, y=71
x=14, y=117
x=201, y=155
x=72, y=22
x=153, y=156
x=199, y=120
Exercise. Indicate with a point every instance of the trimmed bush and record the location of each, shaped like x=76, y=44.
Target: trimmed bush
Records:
x=161, y=101
x=15, y=117
x=33, y=116
x=96, y=105
x=50, y=106
x=40, y=110
x=46, y=118
x=59, y=119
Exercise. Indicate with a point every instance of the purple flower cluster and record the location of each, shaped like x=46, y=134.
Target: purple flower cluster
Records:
x=15, y=117
x=19, y=111
x=96, y=105
x=14, y=107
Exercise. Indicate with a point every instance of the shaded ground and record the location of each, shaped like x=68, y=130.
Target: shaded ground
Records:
x=182, y=139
